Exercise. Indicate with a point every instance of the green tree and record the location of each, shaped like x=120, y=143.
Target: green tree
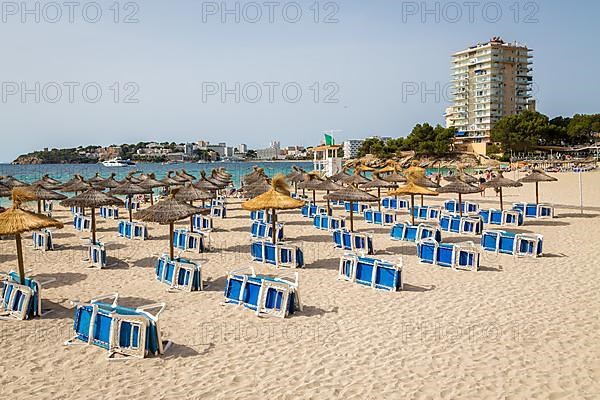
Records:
x=582, y=127
x=521, y=132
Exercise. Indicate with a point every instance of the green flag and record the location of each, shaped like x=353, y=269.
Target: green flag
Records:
x=329, y=140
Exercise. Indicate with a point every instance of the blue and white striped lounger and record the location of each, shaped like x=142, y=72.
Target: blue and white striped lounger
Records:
x=532, y=210
x=179, y=274
x=260, y=215
x=501, y=218
x=97, y=255
x=426, y=213
x=190, y=241
x=392, y=203
x=278, y=254
x=463, y=256
x=353, y=241
x=266, y=295
x=379, y=274
x=516, y=244
x=379, y=217
x=467, y=207
x=124, y=331
x=76, y=210
x=462, y=225
x=133, y=204
x=202, y=222
x=20, y=301
x=132, y=230
x=48, y=206
x=407, y=232
x=310, y=210
x=218, y=211
x=328, y=223
x=42, y=240
x=109, y=212
x=263, y=230
x=82, y=223
x=357, y=208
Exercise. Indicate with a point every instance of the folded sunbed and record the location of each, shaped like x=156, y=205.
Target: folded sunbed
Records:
x=82, y=223
x=109, y=212
x=373, y=272
x=190, y=241
x=97, y=254
x=218, y=211
x=451, y=255
x=202, y=222
x=532, y=210
x=467, y=207
x=18, y=301
x=501, y=217
x=327, y=222
x=260, y=215
x=132, y=230
x=426, y=213
x=516, y=244
x=278, y=254
x=357, y=208
x=310, y=210
x=408, y=232
x=392, y=203
x=42, y=240
x=463, y=225
x=356, y=242
x=179, y=273
x=379, y=217
x=263, y=230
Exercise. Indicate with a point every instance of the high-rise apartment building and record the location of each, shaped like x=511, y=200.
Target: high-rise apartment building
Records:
x=489, y=81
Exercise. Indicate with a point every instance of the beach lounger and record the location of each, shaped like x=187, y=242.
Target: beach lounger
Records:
x=532, y=210
x=310, y=210
x=42, y=240
x=361, y=243
x=217, y=202
x=97, y=255
x=379, y=217
x=109, y=212
x=132, y=230
x=48, y=207
x=82, y=223
x=328, y=223
x=299, y=196
x=179, y=274
x=501, y=217
x=463, y=256
x=76, y=210
x=202, y=222
x=267, y=295
x=392, y=203
x=516, y=244
x=20, y=302
x=407, y=232
x=190, y=241
x=426, y=213
x=218, y=211
x=462, y=225
x=260, y=215
x=263, y=230
x=373, y=272
x=134, y=205
x=130, y=332
x=278, y=254
x=467, y=207
x=357, y=208
x=336, y=202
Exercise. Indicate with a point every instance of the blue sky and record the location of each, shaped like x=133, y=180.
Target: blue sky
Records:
x=177, y=51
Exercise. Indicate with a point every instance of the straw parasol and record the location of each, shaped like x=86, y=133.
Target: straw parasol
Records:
x=4, y=190
x=47, y=178
x=355, y=179
x=257, y=188
x=168, y=211
x=353, y=195
x=108, y=183
x=131, y=178
x=219, y=179
x=129, y=188
x=96, y=179
x=425, y=182
x=40, y=193
x=186, y=175
x=150, y=182
x=340, y=176
x=536, y=176
x=277, y=198
x=295, y=177
x=46, y=184
x=169, y=181
x=204, y=184
x=459, y=187
x=93, y=199
x=311, y=182
x=13, y=182
x=16, y=221
x=328, y=186
x=412, y=189
x=191, y=194
x=500, y=181
x=377, y=183
x=75, y=185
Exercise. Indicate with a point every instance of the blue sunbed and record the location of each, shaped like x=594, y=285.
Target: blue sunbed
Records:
x=277, y=254
x=179, y=273
x=451, y=255
x=516, y=244
x=373, y=272
x=260, y=215
x=353, y=241
x=501, y=217
x=132, y=230
x=462, y=225
x=263, y=230
x=532, y=210
x=190, y=241
x=357, y=208
x=467, y=207
x=109, y=212
x=217, y=211
x=82, y=223
x=202, y=222
x=392, y=203
x=19, y=301
x=310, y=210
x=327, y=222
x=42, y=240
x=379, y=217
x=426, y=213
x=407, y=232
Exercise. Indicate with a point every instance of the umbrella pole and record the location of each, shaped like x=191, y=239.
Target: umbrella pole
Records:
x=93, y=226
x=192, y=218
x=421, y=200
x=130, y=208
x=314, y=198
x=412, y=208
x=20, y=258
x=379, y=199
x=537, y=198
x=39, y=206
x=460, y=204
x=171, y=251
x=152, y=198
x=296, y=188
x=351, y=216
x=273, y=224
x=501, y=203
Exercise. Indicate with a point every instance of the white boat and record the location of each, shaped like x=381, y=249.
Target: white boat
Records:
x=117, y=162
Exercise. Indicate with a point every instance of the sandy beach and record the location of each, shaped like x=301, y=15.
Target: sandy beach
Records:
x=517, y=329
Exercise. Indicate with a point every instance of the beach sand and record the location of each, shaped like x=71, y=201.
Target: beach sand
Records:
x=517, y=329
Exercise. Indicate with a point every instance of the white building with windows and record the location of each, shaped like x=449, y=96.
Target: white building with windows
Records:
x=351, y=147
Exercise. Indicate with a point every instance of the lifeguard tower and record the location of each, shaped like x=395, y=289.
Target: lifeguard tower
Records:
x=326, y=158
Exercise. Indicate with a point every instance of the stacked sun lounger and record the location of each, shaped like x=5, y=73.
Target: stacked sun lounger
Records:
x=263, y=230
x=179, y=273
x=353, y=241
x=310, y=210
x=48, y=206
x=19, y=301
x=532, y=210
x=109, y=212
x=337, y=202
x=218, y=211
x=260, y=215
x=392, y=203
x=516, y=244
x=202, y=222
x=42, y=240
x=82, y=223
x=97, y=254
x=328, y=223
x=124, y=331
x=379, y=217
x=217, y=201
x=357, y=208
x=408, y=232
x=134, y=205
x=267, y=295
x=76, y=210
x=501, y=217
x=426, y=213
x=464, y=256
x=373, y=272
x=277, y=254
x=467, y=207
x=132, y=230
x=189, y=241
x=299, y=196
x=464, y=225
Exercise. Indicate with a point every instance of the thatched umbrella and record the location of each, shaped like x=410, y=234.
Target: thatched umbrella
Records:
x=131, y=178
x=340, y=176
x=460, y=187
x=40, y=193
x=222, y=175
x=93, y=199
x=12, y=182
x=168, y=211
x=256, y=188
x=170, y=181
x=96, y=179
x=536, y=176
x=46, y=184
x=355, y=180
x=109, y=183
x=128, y=188
x=16, y=221
x=206, y=185
x=51, y=180
x=4, y=191
x=423, y=181
x=191, y=194
x=150, y=182
x=412, y=189
x=311, y=182
x=186, y=175
x=463, y=176
x=75, y=185
x=219, y=179
x=353, y=195
x=277, y=198
x=377, y=183
x=499, y=182
x=295, y=177
x=328, y=186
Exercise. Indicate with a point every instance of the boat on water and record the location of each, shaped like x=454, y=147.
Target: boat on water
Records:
x=117, y=162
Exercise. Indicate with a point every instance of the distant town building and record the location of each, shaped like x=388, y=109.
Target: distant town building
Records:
x=271, y=153
x=351, y=147
x=188, y=149
x=242, y=148
x=490, y=80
